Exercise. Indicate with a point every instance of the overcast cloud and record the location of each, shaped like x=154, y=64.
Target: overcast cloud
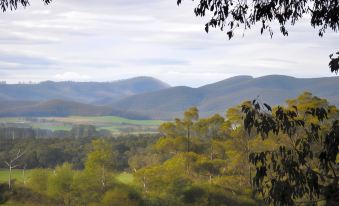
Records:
x=84, y=40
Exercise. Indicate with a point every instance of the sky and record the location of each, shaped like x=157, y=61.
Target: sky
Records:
x=83, y=40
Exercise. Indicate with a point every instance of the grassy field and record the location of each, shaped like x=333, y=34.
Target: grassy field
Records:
x=16, y=174
x=111, y=119
x=126, y=178
x=112, y=123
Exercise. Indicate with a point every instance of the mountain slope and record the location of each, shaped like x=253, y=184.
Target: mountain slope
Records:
x=60, y=108
x=217, y=97
x=88, y=92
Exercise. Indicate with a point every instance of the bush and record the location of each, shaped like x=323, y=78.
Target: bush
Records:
x=121, y=197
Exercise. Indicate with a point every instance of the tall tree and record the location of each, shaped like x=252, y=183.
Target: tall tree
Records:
x=12, y=164
x=210, y=130
x=60, y=184
x=101, y=160
x=190, y=117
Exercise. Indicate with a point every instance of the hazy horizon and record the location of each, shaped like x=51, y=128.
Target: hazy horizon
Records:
x=117, y=80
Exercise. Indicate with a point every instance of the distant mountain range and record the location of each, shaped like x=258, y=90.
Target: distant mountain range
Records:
x=99, y=93
x=61, y=108
x=149, y=98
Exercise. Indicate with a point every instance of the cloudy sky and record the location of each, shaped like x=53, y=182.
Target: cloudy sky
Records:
x=84, y=40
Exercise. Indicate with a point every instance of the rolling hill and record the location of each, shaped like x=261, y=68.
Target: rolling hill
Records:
x=99, y=93
x=62, y=108
x=217, y=97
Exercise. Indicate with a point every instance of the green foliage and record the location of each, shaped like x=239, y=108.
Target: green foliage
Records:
x=168, y=129
x=144, y=159
x=334, y=63
x=87, y=187
x=38, y=180
x=60, y=184
x=121, y=197
x=101, y=156
x=302, y=170
x=171, y=145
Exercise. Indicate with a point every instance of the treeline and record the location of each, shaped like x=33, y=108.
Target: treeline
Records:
x=50, y=152
x=77, y=131
x=255, y=155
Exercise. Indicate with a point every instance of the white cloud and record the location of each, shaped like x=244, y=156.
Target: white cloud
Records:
x=71, y=76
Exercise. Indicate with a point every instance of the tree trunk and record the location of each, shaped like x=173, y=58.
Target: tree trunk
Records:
x=10, y=177
x=188, y=138
x=144, y=183
x=249, y=164
x=23, y=175
x=188, y=150
x=103, y=178
x=211, y=154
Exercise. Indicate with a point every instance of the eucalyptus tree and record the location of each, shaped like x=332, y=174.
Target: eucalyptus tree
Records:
x=60, y=185
x=101, y=160
x=210, y=130
x=305, y=169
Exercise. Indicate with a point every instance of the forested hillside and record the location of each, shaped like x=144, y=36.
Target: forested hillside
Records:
x=256, y=154
x=62, y=108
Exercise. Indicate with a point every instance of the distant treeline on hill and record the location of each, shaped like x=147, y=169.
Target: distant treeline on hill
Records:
x=77, y=131
x=63, y=108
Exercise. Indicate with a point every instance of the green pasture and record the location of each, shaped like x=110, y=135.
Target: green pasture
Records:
x=104, y=120
x=112, y=123
x=126, y=178
x=16, y=175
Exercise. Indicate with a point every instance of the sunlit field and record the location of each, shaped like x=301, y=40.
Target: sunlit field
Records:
x=17, y=175
x=112, y=123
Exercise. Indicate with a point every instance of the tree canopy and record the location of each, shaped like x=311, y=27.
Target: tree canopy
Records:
x=334, y=63
x=14, y=4
x=229, y=15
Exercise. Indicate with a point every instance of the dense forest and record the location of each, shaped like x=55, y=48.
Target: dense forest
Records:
x=255, y=155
